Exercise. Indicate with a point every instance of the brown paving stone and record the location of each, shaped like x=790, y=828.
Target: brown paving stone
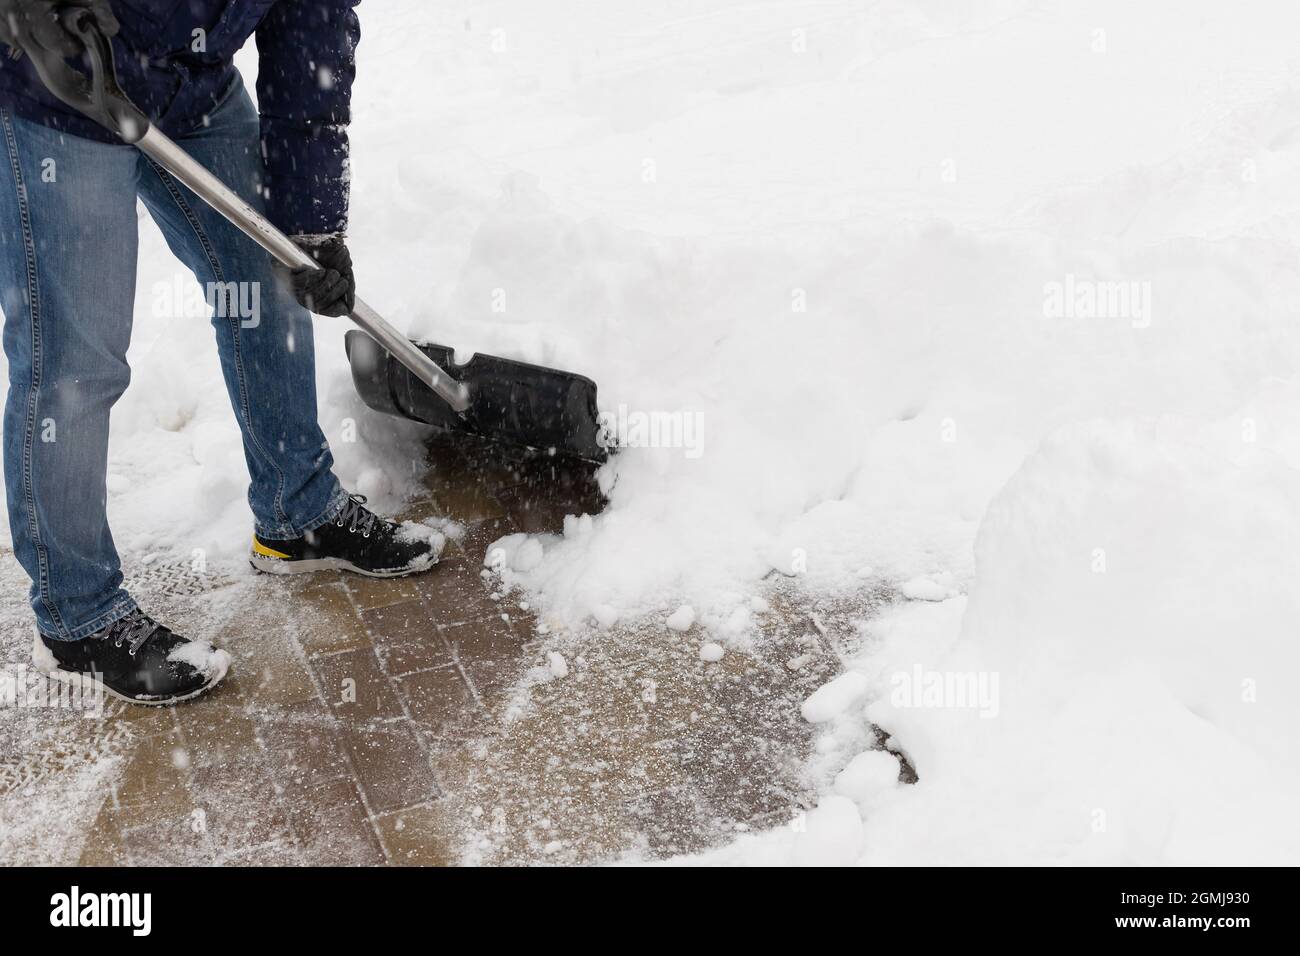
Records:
x=651, y=748
x=331, y=826
x=153, y=784
x=406, y=638
x=673, y=821
x=328, y=622
x=269, y=671
x=380, y=592
x=302, y=745
x=220, y=739
x=391, y=766
x=240, y=806
x=473, y=544
x=280, y=852
x=462, y=501
x=642, y=746
x=409, y=621
x=141, y=721
x=535, y=511
x=553, y=786
x=418, y=836
x=355, y=688
x=493, y=681
x=458, y=593
x=171, y=841
x=421, y=510
x=740, y=777
x=103, y=846
x=440, y=702
x=407, y=657
x=469, y=466
x=483, y=639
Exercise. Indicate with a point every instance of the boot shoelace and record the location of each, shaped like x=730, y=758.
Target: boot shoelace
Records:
x=356, y=516
x=133, y=630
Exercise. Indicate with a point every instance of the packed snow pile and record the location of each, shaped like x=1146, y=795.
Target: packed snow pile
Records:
x=1116, y=691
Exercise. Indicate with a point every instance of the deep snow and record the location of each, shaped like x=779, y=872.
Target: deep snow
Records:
x=824, y=244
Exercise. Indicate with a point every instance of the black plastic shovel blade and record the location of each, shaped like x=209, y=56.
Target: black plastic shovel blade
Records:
x=523, y=405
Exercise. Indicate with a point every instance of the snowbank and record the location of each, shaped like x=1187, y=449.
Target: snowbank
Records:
x=1118, y=688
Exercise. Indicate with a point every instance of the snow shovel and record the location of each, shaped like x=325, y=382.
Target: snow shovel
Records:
x=498, y=399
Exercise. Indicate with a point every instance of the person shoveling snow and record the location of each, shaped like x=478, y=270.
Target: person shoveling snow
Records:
x=67, y=275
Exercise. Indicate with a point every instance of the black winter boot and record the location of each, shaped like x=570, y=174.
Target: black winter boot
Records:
x=356, y=540
x=137, y=660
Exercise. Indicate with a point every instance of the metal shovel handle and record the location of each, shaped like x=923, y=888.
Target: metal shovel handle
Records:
x=102, y=100
x=216, y=194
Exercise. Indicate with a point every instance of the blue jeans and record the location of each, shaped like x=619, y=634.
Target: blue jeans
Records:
x=67, y=287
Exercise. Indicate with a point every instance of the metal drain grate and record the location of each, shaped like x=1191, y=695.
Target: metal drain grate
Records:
x=176, y=579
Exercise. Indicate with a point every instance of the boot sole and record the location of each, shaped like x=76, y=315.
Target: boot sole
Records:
x=41, y=658
x=307, y=566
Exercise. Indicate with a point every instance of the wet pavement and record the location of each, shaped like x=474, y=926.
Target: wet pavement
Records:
x=419, y=721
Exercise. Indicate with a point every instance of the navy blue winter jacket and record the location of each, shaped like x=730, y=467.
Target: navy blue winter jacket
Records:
x=304, y=84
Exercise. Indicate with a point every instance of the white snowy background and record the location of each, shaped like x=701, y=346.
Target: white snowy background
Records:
x=827, y=229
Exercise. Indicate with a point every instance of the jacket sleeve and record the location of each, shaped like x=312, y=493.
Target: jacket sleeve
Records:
x=306, y=65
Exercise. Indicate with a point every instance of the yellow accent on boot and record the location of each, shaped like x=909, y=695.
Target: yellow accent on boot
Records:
x=264, y=551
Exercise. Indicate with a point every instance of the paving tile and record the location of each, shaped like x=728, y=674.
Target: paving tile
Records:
x=175, y=840
x=473, y=543
x=494, y=681
x=331, y=826
x=280, y=852
x=142, y=721
x=406, y=638
x=302, y=744
x=470, y=466
x=740, y=777
x=534, y=511
x=483, y=639
x=103, y=845
x=269, y=671
x=418, y=836
x=219, y=737
x=154, y=783
x=240, y=806
x=673, y=821
x=409, y=656
x=471, y=756
x=400, y=623
x=328, y=621
x=355, y=688
x=463, y=501
x=391, y=767
x=457, y=593
x=440, y=702
x=380, y=592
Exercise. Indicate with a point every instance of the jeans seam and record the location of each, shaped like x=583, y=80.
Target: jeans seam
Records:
x=29, y=422
x=121, y=609
x=188, y=213
x=288, y=532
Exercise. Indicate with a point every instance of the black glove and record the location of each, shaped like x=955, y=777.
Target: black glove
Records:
x=35, y=23
x=330, y=289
